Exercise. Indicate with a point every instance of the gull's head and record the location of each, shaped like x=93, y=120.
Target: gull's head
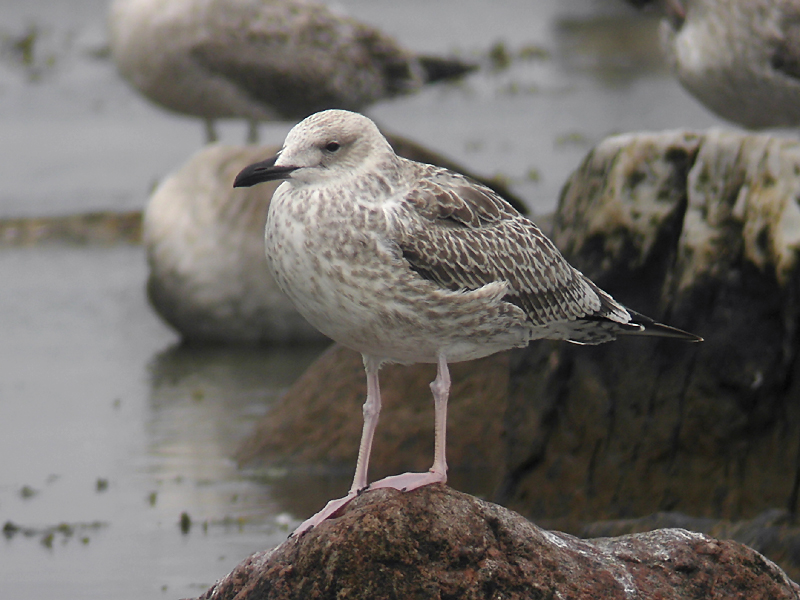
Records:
x=326, y=146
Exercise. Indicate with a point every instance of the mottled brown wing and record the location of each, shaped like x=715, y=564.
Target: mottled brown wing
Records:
x=463, y=236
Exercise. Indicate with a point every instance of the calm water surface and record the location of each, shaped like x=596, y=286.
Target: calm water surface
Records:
x=105, y=424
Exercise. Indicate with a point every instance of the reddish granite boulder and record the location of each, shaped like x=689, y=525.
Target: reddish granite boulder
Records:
x=774, y=533
x=436, y=543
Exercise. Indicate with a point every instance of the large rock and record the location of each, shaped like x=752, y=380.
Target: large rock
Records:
x=437, y=543
x=205, y=248
x=774, y=533
x=700, y=231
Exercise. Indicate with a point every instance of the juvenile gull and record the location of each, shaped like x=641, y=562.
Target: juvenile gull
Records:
x=407, y=262
x=261, y=60
x=740, y=58
x=208, y=275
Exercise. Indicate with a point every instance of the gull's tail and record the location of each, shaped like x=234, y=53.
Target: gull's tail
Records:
x=649, y=327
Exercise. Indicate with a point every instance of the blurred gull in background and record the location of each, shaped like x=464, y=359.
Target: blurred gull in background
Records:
x=261, y=60
x=740, y=58
x=205, y=250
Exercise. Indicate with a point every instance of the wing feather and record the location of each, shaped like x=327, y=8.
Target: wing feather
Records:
x=462, y=236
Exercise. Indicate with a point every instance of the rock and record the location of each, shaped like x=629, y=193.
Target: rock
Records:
x=209, y=278
x=317, y=423
x=699, y=230
x=773, y=533
x=438, y=543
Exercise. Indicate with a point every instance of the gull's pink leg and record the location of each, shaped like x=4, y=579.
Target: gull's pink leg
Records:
x=441, y=393
x=438, y=472
x=371, y=410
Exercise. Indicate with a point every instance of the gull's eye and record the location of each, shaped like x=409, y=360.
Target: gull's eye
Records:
x=332, y=146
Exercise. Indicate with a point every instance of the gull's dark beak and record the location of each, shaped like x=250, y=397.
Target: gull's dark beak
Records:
x=262, y=171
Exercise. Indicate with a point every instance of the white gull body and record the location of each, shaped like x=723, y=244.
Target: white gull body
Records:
x=408, y=262
x=208, y=276
x=261, y=60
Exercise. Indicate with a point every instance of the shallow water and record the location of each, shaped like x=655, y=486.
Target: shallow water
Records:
x=109, y=427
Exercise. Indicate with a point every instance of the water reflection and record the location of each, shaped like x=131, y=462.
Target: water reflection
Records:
x=301, y=494
x=204, y=400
